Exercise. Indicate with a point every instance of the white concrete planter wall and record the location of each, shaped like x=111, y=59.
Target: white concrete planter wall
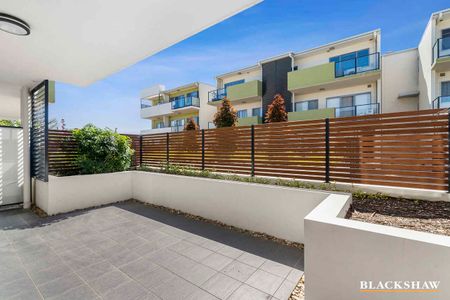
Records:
x=339, y=253
x=64, y=194
x=275, y=210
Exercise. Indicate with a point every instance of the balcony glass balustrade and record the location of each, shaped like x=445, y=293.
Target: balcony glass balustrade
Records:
x=441, y=48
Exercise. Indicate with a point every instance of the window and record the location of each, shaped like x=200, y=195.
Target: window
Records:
x=175, y=123
x=445, y=88
x=350, y=100
x=257, y=112
x=352, y=105
x=242, y=113
x=192, y=94
x=233, y=83
x=446, y=39
x=350, y=56
x=160, y=124
x=445, y=95
x=306, y=105
x=351, y=63
x=177, y=98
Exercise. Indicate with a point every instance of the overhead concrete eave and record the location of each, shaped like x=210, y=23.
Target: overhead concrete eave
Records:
x=79, y=42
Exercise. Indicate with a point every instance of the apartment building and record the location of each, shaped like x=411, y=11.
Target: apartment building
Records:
x=338, y=79
x=434, y=62
x=169, y=110
x=349, y=77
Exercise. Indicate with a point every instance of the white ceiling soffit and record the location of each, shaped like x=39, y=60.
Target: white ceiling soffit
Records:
x=81, y=41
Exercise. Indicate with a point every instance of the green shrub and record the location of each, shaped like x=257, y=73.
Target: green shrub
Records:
x=102, y=150
x=189, y=171
x=10, y=123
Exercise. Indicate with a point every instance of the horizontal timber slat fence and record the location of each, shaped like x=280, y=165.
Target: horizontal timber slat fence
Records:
x=408, y=149
x=62, y=151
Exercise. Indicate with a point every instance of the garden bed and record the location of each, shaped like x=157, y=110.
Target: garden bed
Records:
x=427, y=216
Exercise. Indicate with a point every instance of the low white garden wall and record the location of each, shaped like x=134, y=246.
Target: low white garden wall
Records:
x=275, y=210
x=340, y=253
x=64, y=194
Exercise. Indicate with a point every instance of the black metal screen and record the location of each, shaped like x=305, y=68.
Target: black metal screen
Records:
x=39, y=131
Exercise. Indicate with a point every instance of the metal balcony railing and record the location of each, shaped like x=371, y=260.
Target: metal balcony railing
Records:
x=441, y=102
x=441, y=48
x=357, y=65
x=357, y=110
x=185, y=102
x=180, y=127
x=145, y=103
x=217, y=95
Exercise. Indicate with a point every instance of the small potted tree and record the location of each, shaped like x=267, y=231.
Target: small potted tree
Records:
x=226, y=116
x=276, y=111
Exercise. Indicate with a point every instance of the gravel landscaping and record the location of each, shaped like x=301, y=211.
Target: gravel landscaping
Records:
x=427, y=216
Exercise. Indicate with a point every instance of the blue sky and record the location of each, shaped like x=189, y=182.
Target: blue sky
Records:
x=270, y=28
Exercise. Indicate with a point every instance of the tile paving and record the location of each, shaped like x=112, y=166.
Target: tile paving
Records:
x=133, y=251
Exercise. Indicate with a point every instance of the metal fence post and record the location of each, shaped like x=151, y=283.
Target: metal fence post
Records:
x=140, y=151
x=327, y=150
x=167, y=148
x=253, y=150
x=203, y=149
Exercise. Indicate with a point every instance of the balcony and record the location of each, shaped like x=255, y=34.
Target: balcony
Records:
x=335, y=112
x=156, y=130
x=249, y=121
x=441, y=102
x=237, y=94
x=357, y=110
x=186, y=104
x=355, y=71
x=217, y=95
x=314, y=114
x=149, y=110
x=441, y=55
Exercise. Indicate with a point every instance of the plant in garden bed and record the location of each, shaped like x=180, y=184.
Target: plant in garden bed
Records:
x=226, y=116
x=190, y=171
x=191, y=125
x=102, y=150
x=276, y=111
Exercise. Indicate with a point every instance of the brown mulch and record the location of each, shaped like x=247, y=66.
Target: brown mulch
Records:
x=427, y=216
x=299, y=291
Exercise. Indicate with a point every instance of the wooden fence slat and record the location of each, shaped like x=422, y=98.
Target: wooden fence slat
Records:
x=406, y=149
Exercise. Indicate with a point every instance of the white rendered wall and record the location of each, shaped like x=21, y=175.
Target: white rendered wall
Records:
x=248, y=76
x=9, y=102
x=426, y=80
x=65, y=194
x=322, y=57
x=248, y=106
x=400, y=75
x=11, y=166
x=206, y=113
x=351, y=90
x=278, y=211
x=339, y=253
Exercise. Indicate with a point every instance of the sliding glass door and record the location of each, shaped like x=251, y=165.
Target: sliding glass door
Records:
x=353, y=105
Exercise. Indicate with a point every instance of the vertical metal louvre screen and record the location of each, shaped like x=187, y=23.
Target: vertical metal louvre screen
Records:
x=39, y=131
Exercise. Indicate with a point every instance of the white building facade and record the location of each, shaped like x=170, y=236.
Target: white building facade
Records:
x=349, y=77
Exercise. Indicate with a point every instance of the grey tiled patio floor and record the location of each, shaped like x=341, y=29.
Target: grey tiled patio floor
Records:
x=133, y=251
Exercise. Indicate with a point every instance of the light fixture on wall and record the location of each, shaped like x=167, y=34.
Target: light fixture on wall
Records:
x=13, y=25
